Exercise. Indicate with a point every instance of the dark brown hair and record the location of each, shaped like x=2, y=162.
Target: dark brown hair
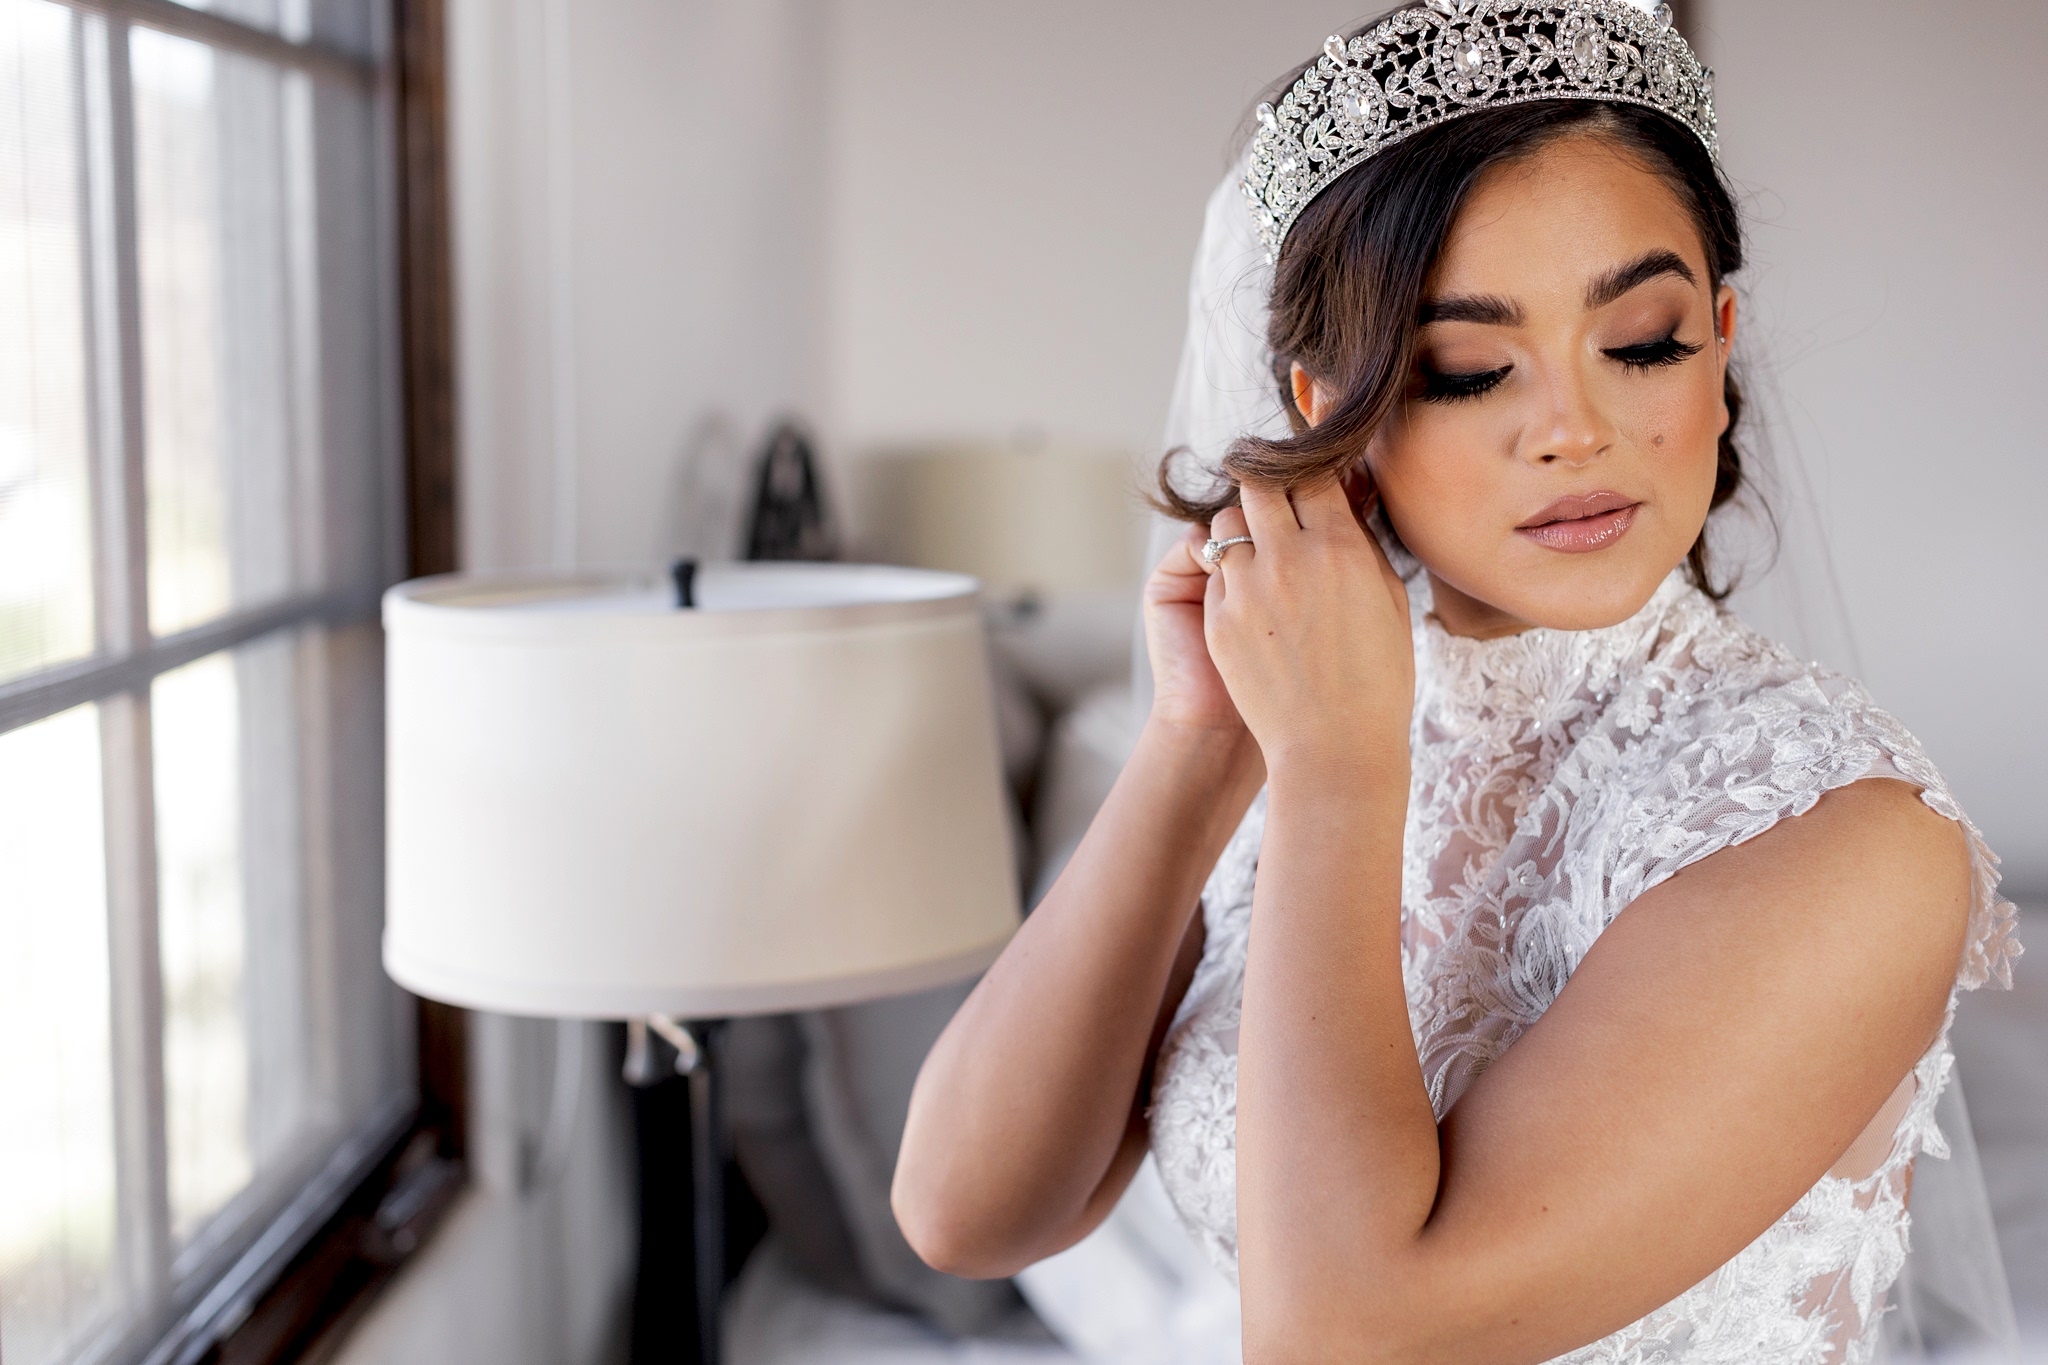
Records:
x=1348, y=287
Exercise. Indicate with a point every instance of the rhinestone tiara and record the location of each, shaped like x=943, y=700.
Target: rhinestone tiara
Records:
x=1436, y=61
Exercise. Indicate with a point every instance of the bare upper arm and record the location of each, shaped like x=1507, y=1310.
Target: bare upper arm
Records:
x=1717, y=1050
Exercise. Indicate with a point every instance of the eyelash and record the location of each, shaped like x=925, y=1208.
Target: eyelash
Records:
x=1654, y=354
x=1438, y=387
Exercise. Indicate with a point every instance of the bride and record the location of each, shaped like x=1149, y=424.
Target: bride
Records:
x=1507, y=954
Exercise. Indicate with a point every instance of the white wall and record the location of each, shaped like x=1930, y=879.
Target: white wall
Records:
x=1897, y=194
x=638, y=203
x=1016, y=193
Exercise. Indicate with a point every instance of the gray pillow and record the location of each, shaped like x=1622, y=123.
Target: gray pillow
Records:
x=862, y=1062
x=763, y=1064
x=816, y=1104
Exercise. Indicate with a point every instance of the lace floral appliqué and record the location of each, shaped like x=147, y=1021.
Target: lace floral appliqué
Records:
x=1558, y=775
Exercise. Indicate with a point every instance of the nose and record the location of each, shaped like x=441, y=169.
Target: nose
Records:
x=1572, y=429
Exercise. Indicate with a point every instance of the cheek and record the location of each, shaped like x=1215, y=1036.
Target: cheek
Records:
x=1682, y=422
x=1434, y=469
x=1683, y=428
x=1686, y=409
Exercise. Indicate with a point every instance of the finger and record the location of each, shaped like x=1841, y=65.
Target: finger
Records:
x=1395, y=584
x=1186, y=555
x=1184, y=558
x=1267, y=512
x=1179, y=574
x=1197, y=544
x=1379, y=552
x=1229, y=525
x=1324, y=507
x=1362, y=491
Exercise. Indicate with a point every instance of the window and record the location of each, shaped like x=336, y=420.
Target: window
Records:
x=200, y=500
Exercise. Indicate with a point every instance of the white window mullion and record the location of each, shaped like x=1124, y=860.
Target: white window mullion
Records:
x=123, y=619
x=114, y=344
x=323, y=1007
x=310, y=567
x=141, y=1158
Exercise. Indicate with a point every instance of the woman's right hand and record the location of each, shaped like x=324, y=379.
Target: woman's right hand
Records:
x=1187, y=691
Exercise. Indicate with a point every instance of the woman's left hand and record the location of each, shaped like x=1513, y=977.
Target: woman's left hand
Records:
x=1309, y=628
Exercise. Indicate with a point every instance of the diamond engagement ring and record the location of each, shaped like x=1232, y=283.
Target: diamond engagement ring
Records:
x=1212, y=553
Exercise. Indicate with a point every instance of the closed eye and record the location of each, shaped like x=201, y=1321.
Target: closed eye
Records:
x=1441, y=387
x=1650, y=355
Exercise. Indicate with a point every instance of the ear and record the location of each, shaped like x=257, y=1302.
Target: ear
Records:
x=1310, y=398
x=1724, y=333
x=1724, y=321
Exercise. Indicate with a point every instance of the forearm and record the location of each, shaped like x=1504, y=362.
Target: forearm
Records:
x=1024, y=1102
x=1337, y=1143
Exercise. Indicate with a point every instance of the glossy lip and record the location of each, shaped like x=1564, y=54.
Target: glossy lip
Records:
x=1582, y=523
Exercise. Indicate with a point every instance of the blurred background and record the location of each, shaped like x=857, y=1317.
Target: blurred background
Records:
x=949, y=243
x=916, y=222
x=923, y=224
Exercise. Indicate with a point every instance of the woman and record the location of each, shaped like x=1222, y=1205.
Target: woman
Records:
x=1512, y=957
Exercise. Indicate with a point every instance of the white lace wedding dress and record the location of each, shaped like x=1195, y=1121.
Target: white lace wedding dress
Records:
x=1558, y=775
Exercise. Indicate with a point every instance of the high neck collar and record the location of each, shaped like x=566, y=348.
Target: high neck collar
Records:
x=1541, y=667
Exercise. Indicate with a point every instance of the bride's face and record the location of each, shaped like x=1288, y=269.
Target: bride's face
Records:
x=1555, y=456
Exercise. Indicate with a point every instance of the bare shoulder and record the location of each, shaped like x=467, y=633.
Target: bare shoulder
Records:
x=1872, y=842
x=1870, y=873
x=1885, y=819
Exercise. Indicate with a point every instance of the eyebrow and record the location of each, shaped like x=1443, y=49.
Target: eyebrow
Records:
x=1487, y=309
x=1491, y=310
x=1646, y=267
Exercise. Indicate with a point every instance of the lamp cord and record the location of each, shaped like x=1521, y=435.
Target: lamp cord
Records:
x=565, y=1097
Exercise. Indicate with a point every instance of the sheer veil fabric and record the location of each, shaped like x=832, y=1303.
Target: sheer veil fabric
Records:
x=1735, y=734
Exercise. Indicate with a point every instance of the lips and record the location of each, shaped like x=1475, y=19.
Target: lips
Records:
x=1582, y=523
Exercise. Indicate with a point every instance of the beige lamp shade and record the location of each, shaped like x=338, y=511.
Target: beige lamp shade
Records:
x=603, y=806
x=1023, y=518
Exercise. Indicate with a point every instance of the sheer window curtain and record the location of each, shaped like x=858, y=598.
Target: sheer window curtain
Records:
x=198, y=507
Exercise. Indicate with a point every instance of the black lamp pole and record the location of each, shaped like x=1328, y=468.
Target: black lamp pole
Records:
x=698, y=1045
x=707, y=1169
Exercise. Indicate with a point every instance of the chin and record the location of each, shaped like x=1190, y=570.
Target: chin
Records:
x=1582, y=592
x=1591, y=595
x=1530, y=584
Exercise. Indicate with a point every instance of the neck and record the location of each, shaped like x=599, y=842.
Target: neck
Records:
x=1463, y=614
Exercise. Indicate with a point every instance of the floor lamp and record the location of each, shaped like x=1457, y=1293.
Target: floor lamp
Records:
x=749, y=789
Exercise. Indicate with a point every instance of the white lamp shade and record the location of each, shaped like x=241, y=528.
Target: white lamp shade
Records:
x=602, y=806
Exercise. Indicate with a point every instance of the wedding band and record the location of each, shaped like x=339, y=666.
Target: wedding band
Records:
x=1212, y=553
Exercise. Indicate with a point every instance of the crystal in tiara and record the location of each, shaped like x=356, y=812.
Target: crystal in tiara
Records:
x=1433, y=62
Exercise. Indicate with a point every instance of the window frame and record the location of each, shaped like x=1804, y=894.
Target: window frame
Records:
x=306, y=1259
